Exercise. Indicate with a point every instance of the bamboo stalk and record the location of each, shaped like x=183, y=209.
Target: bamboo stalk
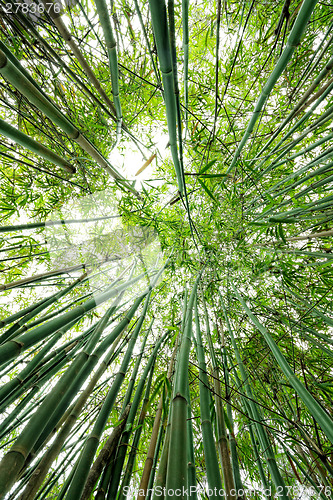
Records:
x=12, y=348
x=27, y=142
x=124, y=442
x=312, y=405
x=222, y=439
x=294, y=39
x=105, y=454
x=20, y=326
x=136, y=438
x=51, y=223
x=191, y=472
x=212, y=468
x=255, y=415
x=144, y=31
x=154, y=437
x=185, y=7
x=66, y=35
x=51, y=454
x=16, y=78
x=87, y=455
x=40, y=277
x=177, y=459
x=162, y=38
x=111, y=46
x=297, y=109
x=321, y=234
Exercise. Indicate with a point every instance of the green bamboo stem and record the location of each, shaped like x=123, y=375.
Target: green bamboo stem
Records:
x=298, y=182
x=311, y=66
x=154, y=464
x=314, y=98
x=258, y=460
x=254, y=413
x=19, y=314
x=291, y=216
x=286, y=159
x=313, y=310
x=40, y=277
x=191, y=473
x=27, y=142
x=328, y=67
x=162, y=38
x=105, y=478
x=161, y=476
x=20, y=326
x=111, y=45
x=6, y=389
x=163, y=464
x=24, y=20
x=7, y=426
x=322, y=234
x=318, y=413
x=292, y=42
x=69, y=422
x=144, y=31
x=177, y=460
x=87, y=455
x=136, y=438
x=134, y=373
x=66, y=35
x=234, y=457
x=304, y=472
x=12, y=348
x=212, y=467
x=155, y=434
x=113, y=490
x=185, y=7
x=44, y=373
x=302, y=120
x=88, y=361
x=222, y=438
x=50, y=223
x=105, y=454
x=36, y=381
x=51, y=315
x=13, y=74
x=16, y=78
x=247, y=410
x=326, y=116
x=58, y=400
x=315, y=255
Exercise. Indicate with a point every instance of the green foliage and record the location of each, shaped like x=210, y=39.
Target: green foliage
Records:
x=255, y=221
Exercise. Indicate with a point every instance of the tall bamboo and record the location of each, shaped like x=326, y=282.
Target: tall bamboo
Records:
x=312, y=405
x=212, y=468
x=27, y=142
x=87, y=455
x=177, y=460
x=293, y=40
x=255, y=415
x=161, y=31
x=154, y=437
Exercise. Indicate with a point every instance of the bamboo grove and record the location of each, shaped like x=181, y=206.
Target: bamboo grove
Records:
x=166, y=249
